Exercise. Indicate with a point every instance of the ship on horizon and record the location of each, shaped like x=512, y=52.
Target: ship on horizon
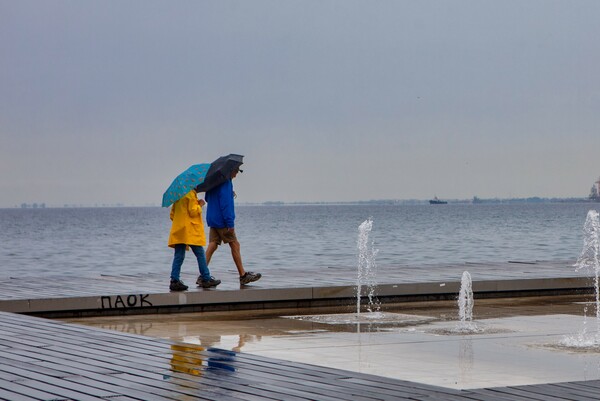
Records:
x=437, y=201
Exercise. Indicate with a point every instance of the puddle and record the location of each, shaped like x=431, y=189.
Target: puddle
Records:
x=470, y=328
x=420, y=342
x=374, y=318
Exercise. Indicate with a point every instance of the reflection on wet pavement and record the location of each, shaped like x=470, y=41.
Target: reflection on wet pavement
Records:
x=197, y=361
x=186, y=359
x=411, y=341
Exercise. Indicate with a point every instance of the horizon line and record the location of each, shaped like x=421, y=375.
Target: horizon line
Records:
x=475, y=199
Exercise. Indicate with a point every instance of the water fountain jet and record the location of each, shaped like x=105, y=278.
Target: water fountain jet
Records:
x=366, y=276
x=589, y=259
x=366, y=268
x=465, y=304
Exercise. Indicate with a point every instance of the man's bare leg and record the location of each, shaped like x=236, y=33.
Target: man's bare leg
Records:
x=237, y=256
x=210, y=249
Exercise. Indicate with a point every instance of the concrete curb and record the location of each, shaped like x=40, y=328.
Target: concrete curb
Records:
x=139, y=303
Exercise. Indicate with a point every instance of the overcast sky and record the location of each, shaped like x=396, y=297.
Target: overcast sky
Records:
x=107, y=101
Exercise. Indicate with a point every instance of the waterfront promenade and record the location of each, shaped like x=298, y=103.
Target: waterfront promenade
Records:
x=43, y=359
x=128, y=294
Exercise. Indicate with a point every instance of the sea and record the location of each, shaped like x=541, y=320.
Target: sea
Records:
x=298, y=238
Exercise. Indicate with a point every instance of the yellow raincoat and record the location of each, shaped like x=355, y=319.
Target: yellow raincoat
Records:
x=187, y=227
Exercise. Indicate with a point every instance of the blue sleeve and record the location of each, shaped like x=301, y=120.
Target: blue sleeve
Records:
x=227, y=207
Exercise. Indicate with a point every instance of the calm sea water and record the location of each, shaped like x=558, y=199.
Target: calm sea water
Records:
x=133, y=241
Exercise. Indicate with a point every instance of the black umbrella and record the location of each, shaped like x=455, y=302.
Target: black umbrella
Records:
x=220, y=171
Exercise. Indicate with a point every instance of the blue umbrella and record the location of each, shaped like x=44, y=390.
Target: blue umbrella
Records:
x=184, y=183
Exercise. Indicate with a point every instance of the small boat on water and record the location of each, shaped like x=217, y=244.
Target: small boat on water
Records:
x=436, y=201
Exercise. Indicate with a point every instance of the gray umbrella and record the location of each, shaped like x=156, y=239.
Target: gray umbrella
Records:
x=220, y=171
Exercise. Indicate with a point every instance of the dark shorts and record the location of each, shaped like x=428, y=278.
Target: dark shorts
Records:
x=221, y=235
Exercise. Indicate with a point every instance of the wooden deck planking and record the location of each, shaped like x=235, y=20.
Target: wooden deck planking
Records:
x=21, y=391
x=315, y=383
x=212, y=390
x=157, y=388
x=236, y=381
x=62, y=386
x=494, y=395
x=102, y=381
x=551, y=390
x=101, y=356
x=524, y=393
x=45, y=360
x=12, y=396
x=591, y=388
x=577, y=390
x=301, y=386
x=144, y=370
x=115, y=384
x=65, y=389
x=64, y=353
x=325, y=379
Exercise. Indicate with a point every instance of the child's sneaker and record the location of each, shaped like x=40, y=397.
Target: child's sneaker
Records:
x=249, y=277
x=177, y=285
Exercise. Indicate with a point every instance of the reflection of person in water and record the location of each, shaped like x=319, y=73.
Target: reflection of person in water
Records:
x=186, y=358
x=190, y=358
x=209, y=341
x=221, y=359
x=242, y=338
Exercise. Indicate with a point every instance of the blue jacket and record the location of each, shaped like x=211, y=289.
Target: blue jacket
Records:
x=220, y=212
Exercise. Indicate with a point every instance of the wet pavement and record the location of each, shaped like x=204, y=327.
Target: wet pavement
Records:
x=62, y=296
x=517, y=341
x=246, y=345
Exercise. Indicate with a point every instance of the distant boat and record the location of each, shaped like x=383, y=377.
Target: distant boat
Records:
x=436, y=201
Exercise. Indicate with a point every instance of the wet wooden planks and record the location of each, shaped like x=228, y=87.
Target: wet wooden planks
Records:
x=47, y=360
x=581, y=391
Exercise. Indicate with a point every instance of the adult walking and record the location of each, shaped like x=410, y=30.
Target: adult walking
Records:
x=220, y=217
x=187, y=231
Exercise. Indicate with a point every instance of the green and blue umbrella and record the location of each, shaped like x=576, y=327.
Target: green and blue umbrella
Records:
x=184, y=183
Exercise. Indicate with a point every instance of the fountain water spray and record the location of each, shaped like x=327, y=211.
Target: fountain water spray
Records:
x=590, y=254
x=366, y=267
x=465, y=304
x=465, y=298
x=366, y=277
x=589, y=260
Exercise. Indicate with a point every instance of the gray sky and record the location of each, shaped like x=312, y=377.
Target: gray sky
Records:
x=107, y=101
